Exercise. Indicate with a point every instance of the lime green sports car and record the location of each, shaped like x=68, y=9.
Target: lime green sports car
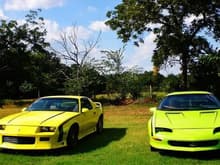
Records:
x=186, y=121
x=51, y=122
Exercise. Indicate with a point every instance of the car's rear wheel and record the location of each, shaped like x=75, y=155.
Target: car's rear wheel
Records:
x=72, y=137
x=99, y=125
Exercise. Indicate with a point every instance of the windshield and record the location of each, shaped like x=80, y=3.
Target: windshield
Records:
x=190, y=102
x=54, y=104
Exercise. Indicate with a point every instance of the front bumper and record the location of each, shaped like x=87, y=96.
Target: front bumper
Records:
x=30, y=140
x=186, y=140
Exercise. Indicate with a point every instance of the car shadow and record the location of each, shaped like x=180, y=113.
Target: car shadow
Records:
x=87, y=144
x=201, y=155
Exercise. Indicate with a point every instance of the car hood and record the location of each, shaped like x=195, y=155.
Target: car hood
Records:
x=36, y=118
x=187, y=119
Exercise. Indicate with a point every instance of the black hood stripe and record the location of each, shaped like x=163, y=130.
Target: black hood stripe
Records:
x=51, y=117
x=66, y=121
x=16, y=117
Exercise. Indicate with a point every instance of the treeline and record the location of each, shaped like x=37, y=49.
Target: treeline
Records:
x=29, y=68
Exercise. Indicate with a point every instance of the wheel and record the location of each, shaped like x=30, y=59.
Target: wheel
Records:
x=99, y=125
x=72, y=137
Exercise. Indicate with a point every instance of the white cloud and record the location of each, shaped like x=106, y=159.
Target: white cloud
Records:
x=2, y=16
x=81, y=32
x=188, y=20
x=53, y=30
x=171, y=70
x=142, y=55
x=52, y=27
x=31, y=4
x=99, y=26
x=96, y=53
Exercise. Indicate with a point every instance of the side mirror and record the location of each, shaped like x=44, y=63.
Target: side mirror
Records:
x=153, y=109
x=98, y=105
x=85, y=110
x=24, y=109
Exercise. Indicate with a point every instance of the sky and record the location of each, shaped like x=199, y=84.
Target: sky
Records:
x=89, y=17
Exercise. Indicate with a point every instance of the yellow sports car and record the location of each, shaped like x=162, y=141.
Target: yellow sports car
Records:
x=186, y=121
x=51, y=122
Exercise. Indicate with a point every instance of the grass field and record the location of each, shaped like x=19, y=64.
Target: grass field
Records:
x=123, y=142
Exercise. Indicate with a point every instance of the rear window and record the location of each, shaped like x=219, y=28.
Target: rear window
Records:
x=190, y=102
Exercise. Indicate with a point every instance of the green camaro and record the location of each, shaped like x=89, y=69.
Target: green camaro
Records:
x=186, y=121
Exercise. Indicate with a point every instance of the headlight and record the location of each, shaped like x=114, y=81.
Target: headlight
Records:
x=47, y=129
x=2, y=127
x=160, y=129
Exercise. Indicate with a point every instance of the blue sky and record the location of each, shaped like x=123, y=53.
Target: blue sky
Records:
x=89, y=17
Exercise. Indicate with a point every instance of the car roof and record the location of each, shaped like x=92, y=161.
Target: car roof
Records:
x=64, y=96
x=188, y=92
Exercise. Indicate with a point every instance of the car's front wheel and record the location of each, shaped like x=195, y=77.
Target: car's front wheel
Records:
x=99, y=125
x=72, y=137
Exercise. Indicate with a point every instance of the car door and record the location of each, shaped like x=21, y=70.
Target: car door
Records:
x=90, y=114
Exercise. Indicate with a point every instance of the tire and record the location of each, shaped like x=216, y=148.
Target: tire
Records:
x=99, y=125
x=72, y=137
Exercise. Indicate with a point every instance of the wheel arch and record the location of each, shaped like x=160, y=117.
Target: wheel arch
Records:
x=76, y=126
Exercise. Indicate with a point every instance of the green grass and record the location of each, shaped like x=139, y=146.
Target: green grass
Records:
x=123, y=142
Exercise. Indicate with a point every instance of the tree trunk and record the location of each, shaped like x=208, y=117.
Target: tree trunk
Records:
x=151, y=95
x=38, y=93
x=77, y=77
x=184, y=72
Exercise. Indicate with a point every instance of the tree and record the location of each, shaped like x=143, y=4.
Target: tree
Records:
x=206, y=73
x=112, y=68
x=170, y=83
x=133, y=83
x=77, y=54
x=26, y=65
x=177, y=38
x=45, y=72
x=119, y=79
x=112, y=61
x=90, y=82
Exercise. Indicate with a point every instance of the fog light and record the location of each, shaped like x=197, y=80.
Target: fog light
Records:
x=44, y=138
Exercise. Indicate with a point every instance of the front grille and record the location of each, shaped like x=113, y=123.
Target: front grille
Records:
x=193, y=143
x=19, y=140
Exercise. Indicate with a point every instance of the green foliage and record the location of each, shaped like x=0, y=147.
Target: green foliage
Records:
x=112, y=61
x=206, y=73
x=26, y=87
x=118, y=79
x=83, y=77
x=88, y=83
x=170, y=83
x=26, y=66
x=176, y=39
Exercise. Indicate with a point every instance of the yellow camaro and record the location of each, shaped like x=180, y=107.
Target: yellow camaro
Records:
x=51, y=122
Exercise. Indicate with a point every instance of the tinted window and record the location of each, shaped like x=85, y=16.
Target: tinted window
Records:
x=190, y=102
x=54, y=104
x=86, y=103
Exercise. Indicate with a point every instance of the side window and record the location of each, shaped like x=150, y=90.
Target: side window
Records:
x=85, y=103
